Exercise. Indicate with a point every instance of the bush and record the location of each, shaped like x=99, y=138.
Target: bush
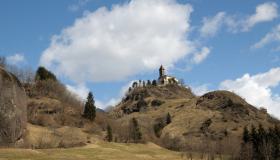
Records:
x=168, y=118
x=158, y=128
x=156, y=102
x=154, y=83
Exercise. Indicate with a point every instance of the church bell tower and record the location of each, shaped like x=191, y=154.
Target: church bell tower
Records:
x=161, y=71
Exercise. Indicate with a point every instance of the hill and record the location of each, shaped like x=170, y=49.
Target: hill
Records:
x=213, y=122
x=165, y=113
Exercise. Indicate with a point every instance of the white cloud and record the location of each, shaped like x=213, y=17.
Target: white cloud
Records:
x=272, y=36
x=105, y=105
x=77, y=6
x=109, y=45
x=16, y=59
x=80, y=90
x=200, y=90
x=264, y=12
x=200, y=56
x=211, y=25
x=116, y=100
x=257, y=89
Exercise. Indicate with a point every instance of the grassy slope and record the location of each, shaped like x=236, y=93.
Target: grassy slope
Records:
x=98, y=151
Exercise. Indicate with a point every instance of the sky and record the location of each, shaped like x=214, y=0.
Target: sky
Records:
x=102, y=46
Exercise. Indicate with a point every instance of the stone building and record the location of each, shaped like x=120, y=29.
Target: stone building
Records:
x=164, y=79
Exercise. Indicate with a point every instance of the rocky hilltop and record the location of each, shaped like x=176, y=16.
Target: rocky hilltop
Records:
x=216, y=119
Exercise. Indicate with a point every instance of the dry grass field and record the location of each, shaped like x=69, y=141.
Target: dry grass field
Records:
x=98, y=151
x=101, y=151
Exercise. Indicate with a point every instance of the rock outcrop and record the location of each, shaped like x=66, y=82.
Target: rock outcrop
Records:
x=13, y=118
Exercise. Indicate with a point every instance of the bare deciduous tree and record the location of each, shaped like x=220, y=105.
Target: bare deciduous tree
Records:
x=3, y=61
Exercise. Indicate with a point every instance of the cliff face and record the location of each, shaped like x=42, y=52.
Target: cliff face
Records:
x=13, y=116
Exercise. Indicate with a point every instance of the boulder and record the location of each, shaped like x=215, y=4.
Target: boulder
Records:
x=13, y=118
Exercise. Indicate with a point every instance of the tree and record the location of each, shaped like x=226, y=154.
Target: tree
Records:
x=90, y=109
x=134, y=84
x=246, y=135
x=182, y=82
x=141, y=104
x=43, y=74
x=136, y=134
x=255, y=141
x=109, y=136
x=260, y=144
x=3, y=61
x=129, y=89
x=168, y=118
x=139, y=83
x=149, y=83
x=275, y=142
x=154, y=83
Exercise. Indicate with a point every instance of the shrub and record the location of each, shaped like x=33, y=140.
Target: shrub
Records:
x=158, y=128
x=168, y=118
x=156, y=102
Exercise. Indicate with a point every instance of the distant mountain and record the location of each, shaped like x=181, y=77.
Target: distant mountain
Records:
x=100, y=110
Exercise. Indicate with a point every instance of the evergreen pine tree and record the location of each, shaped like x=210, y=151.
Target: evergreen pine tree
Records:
x=90, y=109
x=168, y=118
x=109, y=134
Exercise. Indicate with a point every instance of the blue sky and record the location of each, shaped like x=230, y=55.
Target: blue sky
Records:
x=231, y=45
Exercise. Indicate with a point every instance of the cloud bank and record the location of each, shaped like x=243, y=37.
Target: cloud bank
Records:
x=211, y=25
x=132, y=38
x=16, y=59
x=257, y=89
x=273, y=36
x=264, y=12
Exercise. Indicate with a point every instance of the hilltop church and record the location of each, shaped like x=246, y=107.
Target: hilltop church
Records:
x=164, y=79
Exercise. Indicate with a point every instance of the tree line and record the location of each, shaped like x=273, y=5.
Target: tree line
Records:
x=260, y=144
